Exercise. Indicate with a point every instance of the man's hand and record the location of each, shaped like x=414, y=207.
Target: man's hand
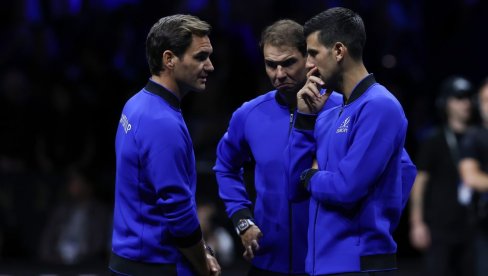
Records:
x=420, y=236
x=250, y=240
x=309, y=99
x=315, y=164
x=213, y=265
x=201, y=259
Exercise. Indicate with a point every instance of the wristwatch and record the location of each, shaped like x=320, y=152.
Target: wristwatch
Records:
x=243, y=225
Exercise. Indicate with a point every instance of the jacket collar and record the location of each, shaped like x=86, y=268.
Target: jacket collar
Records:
x=286, y=99
x=360, y=88
x=163, y=92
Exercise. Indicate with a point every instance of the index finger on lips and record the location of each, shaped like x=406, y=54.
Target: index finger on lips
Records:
x=316, y=80
x=311, y=72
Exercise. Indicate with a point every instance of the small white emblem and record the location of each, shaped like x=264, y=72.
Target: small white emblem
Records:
x=125, y=123
x=344, y=126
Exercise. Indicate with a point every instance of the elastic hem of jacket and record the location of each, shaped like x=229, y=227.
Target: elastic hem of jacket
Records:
x=305, y=121
x=192, y=239
x=241, y=214
x=306, y=176
x=255, y=271
x=123, y=266
x=378, y=262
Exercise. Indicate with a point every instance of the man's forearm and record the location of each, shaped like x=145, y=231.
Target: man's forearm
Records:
x=417, y=197
x=472, y=175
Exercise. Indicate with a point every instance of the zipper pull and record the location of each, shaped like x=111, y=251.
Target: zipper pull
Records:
x=342, y=109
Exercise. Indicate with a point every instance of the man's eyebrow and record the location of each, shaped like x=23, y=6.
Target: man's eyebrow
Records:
x=284, y=62
x=203, y=52
x=311, y=51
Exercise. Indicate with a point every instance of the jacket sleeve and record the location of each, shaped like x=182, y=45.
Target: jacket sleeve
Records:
x=409, y=172
x=166, y=149
x=377, y=134
x=232, y=152
x=299, y=155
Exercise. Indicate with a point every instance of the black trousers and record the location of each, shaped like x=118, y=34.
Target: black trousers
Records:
x=128, y=267
x=254, y=271
x=449, y=259
x=376, y=273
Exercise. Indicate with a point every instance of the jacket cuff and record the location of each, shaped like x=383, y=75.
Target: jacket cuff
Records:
x=187, y=241
x=305, y=178
x=305, y=121
x=241, y=214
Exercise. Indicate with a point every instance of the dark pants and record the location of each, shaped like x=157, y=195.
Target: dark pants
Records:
x=376, y=273
x=482, y=252
x=254, y=271
x=449, y=259
x=122, y=266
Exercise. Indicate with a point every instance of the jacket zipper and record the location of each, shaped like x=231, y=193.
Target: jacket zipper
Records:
x=342, y=109
x=290, y=209
x=314, y=231
x=291, y=122
x=291, y=237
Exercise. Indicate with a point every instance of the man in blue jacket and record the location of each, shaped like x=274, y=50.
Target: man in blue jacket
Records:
x=357, y=188
x=155, y=229
x=274, y=236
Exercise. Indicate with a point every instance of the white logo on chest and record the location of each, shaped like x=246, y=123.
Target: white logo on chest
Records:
x=344, y=126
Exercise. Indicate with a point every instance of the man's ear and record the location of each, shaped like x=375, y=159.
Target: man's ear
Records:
x=169, y=59
x=340, y=51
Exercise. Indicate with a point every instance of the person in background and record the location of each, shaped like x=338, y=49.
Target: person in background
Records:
x=474, y=174
x=156, y=230
x=77, y=231
x=215, y=235
x=274, y=235
x=359, y=184
x=439, y=222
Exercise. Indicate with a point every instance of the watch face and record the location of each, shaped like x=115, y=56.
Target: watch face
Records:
x=243, y=224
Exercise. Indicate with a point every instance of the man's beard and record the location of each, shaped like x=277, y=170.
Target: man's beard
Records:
x=292, y=90
x=290, y=94
x=334, y=82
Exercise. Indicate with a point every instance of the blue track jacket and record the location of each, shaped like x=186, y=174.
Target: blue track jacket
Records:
x=362, y=185
x=155, y=210
x=260, y=130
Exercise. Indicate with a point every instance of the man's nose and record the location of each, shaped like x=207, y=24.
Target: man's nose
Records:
x=209, y=66
x=280, y=72
x=309, y=64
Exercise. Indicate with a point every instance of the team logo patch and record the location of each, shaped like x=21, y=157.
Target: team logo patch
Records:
x=125, y=123
x=344, y=126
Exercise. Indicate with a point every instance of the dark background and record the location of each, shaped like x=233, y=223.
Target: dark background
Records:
x=68, y=66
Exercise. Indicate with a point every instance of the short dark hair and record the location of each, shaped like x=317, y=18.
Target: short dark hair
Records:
x=339, y=25
x=455, y=86
x=172, y=33
x=285, y=32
